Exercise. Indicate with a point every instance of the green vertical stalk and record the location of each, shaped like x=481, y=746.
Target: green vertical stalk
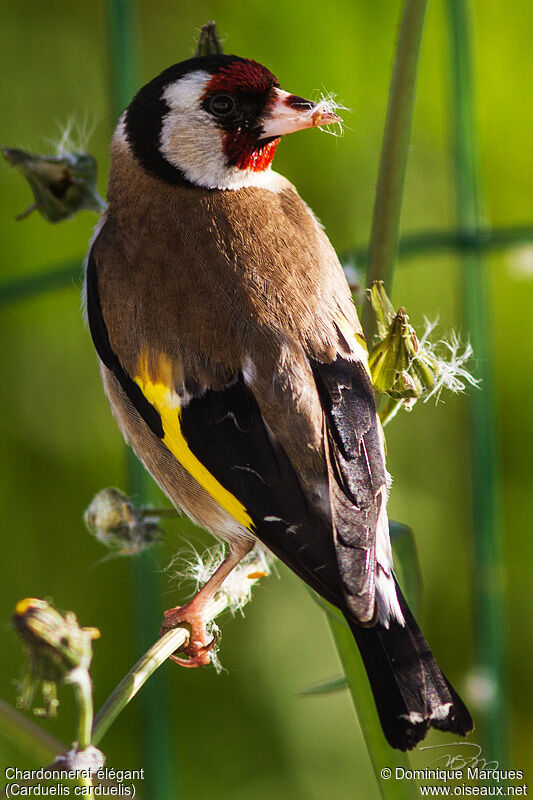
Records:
x=382, y=260
x=124, y=52
x=384, y=759
x=488, y=584
x=394, y=150
x=159, y=756
x=159, y=752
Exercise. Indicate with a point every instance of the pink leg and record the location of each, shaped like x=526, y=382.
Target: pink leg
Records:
x=193, y=614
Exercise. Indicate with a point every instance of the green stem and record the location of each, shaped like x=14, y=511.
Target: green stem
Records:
x=28, y=736
x=383, y=255
x=422, y=242
x=388, y=205
x=157, y=734
x=488, y=577
x=124, y=52
x=382, y=756
x=60, y=276
x=161, y=513
x=389, y=410
x=463, y=241
x=81, y=683
x=144, y=668
x=68, y=275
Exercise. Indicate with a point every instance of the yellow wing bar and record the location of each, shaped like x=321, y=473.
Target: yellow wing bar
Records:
x=160, y=393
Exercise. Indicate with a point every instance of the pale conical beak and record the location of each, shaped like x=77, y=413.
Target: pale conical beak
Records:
x=290, y=113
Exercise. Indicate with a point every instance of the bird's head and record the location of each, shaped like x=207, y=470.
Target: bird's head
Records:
x=215, y=122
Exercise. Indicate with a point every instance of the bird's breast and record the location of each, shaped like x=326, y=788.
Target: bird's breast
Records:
x=204, y=270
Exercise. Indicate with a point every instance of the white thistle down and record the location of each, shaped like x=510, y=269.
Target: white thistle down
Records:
x=327, y=104
x=190, y=565
x=451, y=373
x=74, y=137
x=407, y=368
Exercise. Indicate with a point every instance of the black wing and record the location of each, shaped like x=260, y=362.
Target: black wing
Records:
x=226, y=431
x=357, y=477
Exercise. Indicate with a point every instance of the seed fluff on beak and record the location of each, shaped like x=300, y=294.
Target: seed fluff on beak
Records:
x=216, y=122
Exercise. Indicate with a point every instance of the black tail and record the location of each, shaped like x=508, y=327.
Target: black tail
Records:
x=410, y=691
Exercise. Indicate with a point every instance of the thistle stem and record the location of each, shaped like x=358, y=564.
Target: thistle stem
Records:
x=157, y=733
x=383, y=256
x=28, y=736
x=161, y=513
x=389, y=193
x=145, y=667
x=389, y=410
x=420, y=243
x=81, y=683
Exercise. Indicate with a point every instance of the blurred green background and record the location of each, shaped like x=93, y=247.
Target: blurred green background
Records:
x=246, y=733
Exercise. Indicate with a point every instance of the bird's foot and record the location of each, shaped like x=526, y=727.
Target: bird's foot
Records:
x=199, y=644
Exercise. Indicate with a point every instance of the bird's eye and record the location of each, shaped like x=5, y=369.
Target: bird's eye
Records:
x=221, y=105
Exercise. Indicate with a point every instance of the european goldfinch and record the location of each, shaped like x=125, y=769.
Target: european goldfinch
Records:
x=236, y=368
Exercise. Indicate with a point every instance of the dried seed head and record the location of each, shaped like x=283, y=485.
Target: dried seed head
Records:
x=61, y=184
x=209, y=40
x=56, y=646
x=113, y=520
x=408, y=369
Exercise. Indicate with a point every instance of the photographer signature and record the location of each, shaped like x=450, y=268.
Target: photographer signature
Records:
x=470, y=756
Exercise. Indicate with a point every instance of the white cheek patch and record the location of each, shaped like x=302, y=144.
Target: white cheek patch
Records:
x=188, y=141
x=183, y=95
x=192, y=142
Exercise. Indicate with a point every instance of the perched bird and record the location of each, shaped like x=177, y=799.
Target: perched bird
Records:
x=235, y=365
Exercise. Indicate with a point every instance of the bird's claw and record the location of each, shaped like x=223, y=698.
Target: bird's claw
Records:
x=198, y=647
x=196, y=656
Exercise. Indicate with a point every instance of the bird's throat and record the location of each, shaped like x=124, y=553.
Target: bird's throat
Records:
x=243, y=151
